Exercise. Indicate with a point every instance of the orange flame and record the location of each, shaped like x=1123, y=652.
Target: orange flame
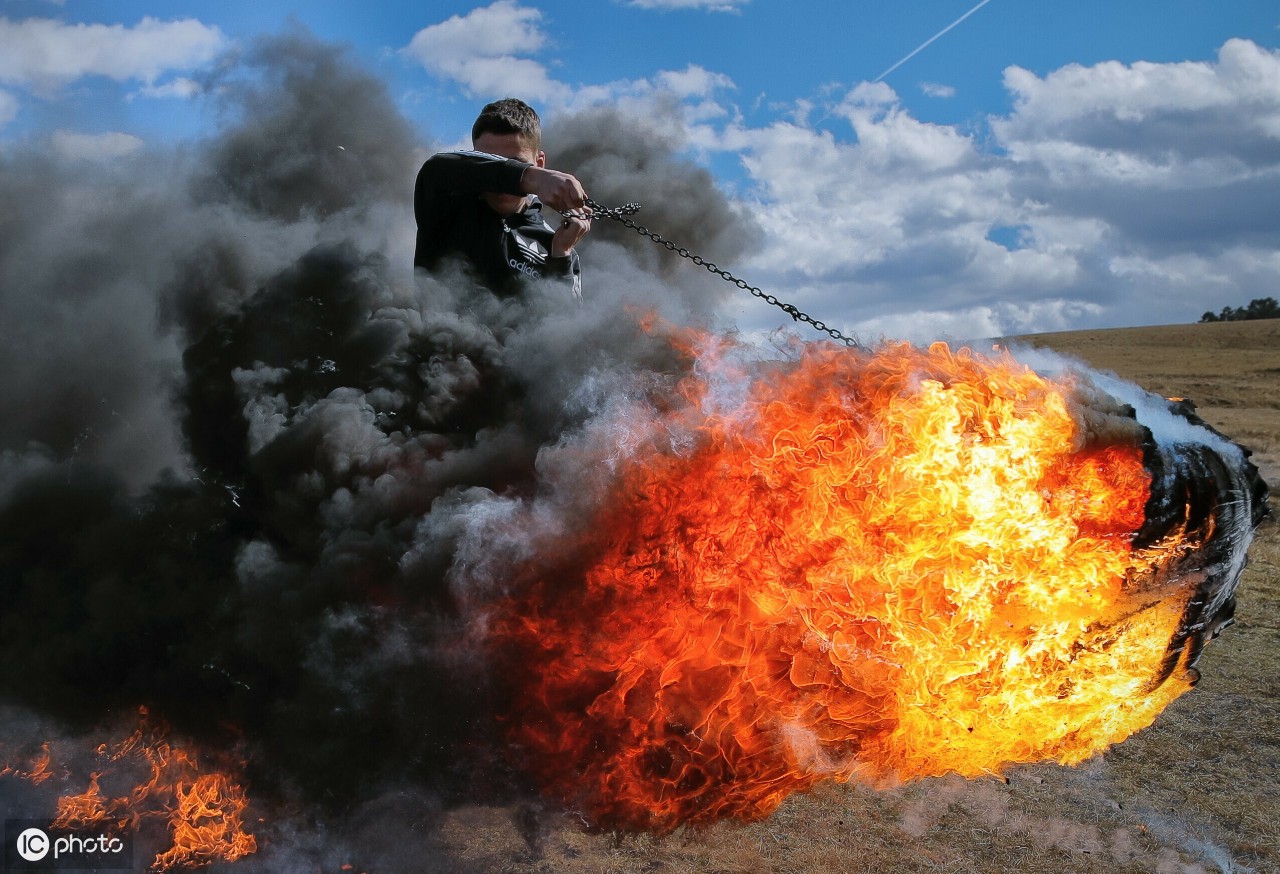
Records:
x=86, y=809
x=876, y=567
x=208, y=823
x=35, y=773
x=203, y=809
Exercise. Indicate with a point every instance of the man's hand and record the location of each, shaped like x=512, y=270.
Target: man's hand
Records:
x=560, y=191
x=574, y=226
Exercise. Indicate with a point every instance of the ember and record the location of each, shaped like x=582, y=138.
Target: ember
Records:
x=865, y=566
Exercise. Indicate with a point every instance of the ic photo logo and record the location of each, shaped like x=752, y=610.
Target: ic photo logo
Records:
x=32, y=845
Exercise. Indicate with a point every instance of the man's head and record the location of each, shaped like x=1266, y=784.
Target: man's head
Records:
x=506, y=117
x=509, y=128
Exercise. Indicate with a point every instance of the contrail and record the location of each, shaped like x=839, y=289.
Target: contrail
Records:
x=924, y=45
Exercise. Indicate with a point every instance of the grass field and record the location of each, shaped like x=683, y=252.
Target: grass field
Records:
x=1197, y=791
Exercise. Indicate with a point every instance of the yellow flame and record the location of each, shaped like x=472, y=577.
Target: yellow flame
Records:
x=882, y=567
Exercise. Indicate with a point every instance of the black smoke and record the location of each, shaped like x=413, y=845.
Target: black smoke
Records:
x=242, y=444
x=314, y=135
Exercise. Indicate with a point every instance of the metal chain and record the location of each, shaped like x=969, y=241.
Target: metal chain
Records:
x=620, y=213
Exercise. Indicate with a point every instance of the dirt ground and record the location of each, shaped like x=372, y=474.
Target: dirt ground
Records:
x=1197, y=791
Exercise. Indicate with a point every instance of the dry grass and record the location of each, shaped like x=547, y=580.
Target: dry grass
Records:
x=1198, y=791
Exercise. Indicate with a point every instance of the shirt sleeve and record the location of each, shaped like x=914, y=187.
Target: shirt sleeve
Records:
x=469, y=173
x=568, y=267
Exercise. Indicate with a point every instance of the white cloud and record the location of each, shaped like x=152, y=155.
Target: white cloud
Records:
x=1113, y=91
x=1001, y=319
x=933, y=89
x=708, y=5
x=43, y=53
x=8, y=108
x=693, y=81
x=181, y=87
x=494, y=51
x=1170, y=157
x=489, y=52
x=893, y=141
x=1204, y=280
x=94, y=147
x=1170, y=125
x=1127, y=184
x=840, y=211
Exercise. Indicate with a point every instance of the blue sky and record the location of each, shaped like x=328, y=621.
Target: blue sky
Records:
x=1037, y=167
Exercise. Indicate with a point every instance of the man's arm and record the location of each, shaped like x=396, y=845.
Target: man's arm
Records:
x=468, y=174
x=471, y=172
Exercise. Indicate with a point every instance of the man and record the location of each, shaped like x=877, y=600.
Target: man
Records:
x=486, y=205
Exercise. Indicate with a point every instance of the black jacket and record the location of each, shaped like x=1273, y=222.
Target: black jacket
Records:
x=453, y=220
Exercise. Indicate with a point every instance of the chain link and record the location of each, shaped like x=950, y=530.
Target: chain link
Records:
x=620, y=213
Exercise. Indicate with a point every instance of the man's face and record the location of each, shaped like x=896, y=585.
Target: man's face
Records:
x=508, y=146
